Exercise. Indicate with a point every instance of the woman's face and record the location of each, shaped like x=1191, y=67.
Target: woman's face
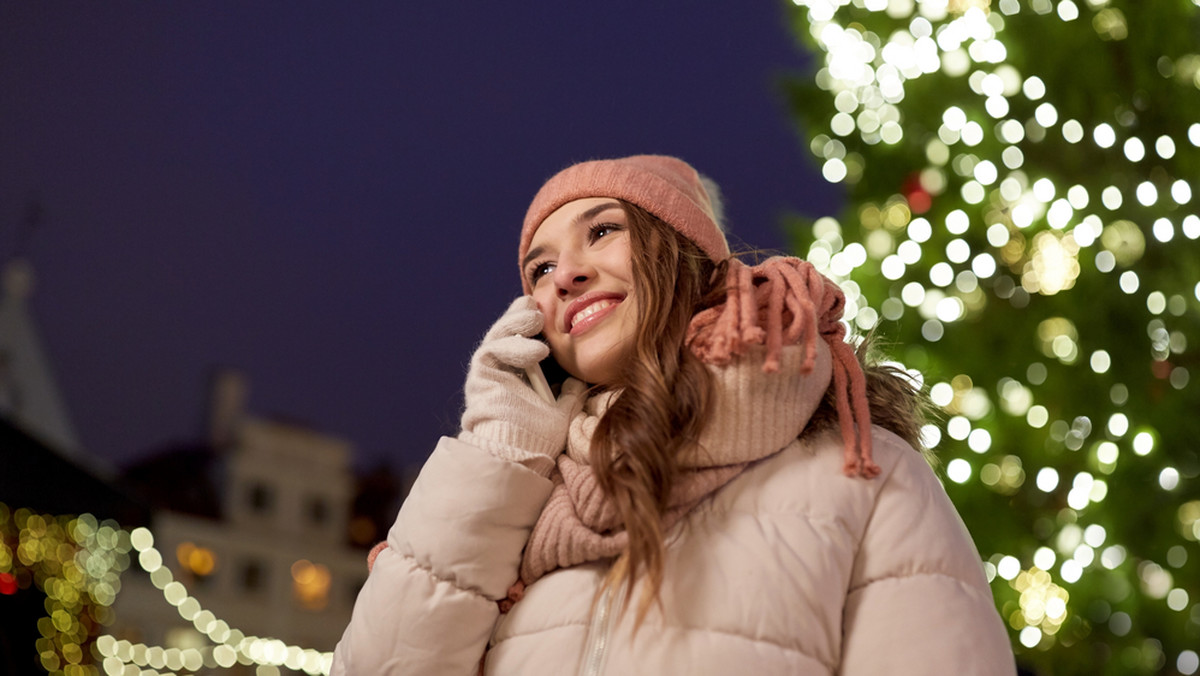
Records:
x=579, y=267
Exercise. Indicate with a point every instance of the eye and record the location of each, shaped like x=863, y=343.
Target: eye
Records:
x=539, y=270
x=599, y=230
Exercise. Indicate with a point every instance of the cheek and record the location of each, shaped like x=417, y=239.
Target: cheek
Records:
x=545, y=305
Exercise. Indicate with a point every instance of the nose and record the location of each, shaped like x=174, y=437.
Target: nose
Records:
x=571, y=275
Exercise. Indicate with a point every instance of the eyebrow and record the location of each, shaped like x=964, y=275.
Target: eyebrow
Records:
x=585, y=216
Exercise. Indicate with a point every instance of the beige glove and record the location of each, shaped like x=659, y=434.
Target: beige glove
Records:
x=504, y=415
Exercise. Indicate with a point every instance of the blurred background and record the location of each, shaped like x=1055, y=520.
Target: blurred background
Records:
x=247, y=250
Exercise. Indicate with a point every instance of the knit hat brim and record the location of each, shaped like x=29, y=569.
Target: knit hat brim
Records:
x=665, y=186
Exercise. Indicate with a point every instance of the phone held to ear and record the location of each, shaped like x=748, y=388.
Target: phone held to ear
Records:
x=540, y=376
x=537, y=380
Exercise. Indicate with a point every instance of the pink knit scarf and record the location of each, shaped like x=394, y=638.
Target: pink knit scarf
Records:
x=786, y=301
x=782, y=302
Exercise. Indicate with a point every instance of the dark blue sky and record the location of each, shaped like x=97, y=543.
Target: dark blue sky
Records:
x=327, y=195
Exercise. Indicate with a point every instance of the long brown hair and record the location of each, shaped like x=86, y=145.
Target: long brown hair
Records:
x=665, y=395
x=666, y=392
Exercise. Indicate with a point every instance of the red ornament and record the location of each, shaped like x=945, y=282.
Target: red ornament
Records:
x=1161, y=369
x=919, y=199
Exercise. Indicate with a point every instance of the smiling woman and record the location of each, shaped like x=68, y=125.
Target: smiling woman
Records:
x=722, y=483
x=581, y=275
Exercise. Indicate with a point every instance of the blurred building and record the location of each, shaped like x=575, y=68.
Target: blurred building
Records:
x=266, y=526
x=264, y=522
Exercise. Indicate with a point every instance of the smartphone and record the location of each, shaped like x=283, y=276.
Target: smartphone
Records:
x=546, y=377
x=537, y=380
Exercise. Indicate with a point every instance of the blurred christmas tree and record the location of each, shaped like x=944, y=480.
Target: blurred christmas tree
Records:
x=1022, y=225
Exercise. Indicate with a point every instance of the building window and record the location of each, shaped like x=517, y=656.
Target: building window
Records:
x=261, y=498
x=317, y=510
x=197, y=561
x=310, y=584
x=363, y=531
x=253, y=575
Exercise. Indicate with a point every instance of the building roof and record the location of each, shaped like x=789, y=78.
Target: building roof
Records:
x=34, y=476
x=29, y=396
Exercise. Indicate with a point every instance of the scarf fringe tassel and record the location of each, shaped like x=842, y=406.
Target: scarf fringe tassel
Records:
x=786, y=301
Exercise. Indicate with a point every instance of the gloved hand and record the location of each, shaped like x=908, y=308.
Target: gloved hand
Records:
x=504, y=415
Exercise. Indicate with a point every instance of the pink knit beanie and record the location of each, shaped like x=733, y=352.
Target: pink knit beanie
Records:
x=665, y=186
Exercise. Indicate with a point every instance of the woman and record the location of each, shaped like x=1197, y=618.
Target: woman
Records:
x=714, y=500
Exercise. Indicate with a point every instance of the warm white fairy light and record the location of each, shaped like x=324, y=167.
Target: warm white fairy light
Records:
x=1012, y=157
x=1181, y=192
x=1047, y=481
x=1103, y=135
x=1147, y=193
x=1072, y=131
x=1111, y=198
x=1010, y=131
x=1163, y=230
x=941, y=274
x=958, y=470
x=1059, y=215
x=1134, y=150
x=1046, y=114
x=1077, y=197
x=1068, y=11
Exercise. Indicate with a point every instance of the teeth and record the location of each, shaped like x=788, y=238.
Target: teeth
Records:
x=590, y=310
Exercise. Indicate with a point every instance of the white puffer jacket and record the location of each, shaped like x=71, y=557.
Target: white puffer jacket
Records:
x=791, y=568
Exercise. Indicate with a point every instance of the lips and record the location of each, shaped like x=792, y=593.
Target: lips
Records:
x=589, y=309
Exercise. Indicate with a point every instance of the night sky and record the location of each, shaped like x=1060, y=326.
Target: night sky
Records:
x=328, y=195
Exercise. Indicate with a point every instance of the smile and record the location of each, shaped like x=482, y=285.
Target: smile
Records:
x=587, y=311
x=590, y=310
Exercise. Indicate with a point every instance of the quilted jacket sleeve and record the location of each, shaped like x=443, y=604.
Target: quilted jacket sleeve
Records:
x=918, y=602
x=429, y=604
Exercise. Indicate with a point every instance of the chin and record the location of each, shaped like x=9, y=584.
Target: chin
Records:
x=598, y=369
x=597, y=378
x=597, y=359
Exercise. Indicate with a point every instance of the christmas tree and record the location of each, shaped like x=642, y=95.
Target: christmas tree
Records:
x=1021, y=225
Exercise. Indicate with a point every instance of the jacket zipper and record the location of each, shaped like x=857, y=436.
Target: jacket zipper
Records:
x=597, y=642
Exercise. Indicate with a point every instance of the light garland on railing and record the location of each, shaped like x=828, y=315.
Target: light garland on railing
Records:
x=230, y=646
x=77, y=562
x=1019, y=234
